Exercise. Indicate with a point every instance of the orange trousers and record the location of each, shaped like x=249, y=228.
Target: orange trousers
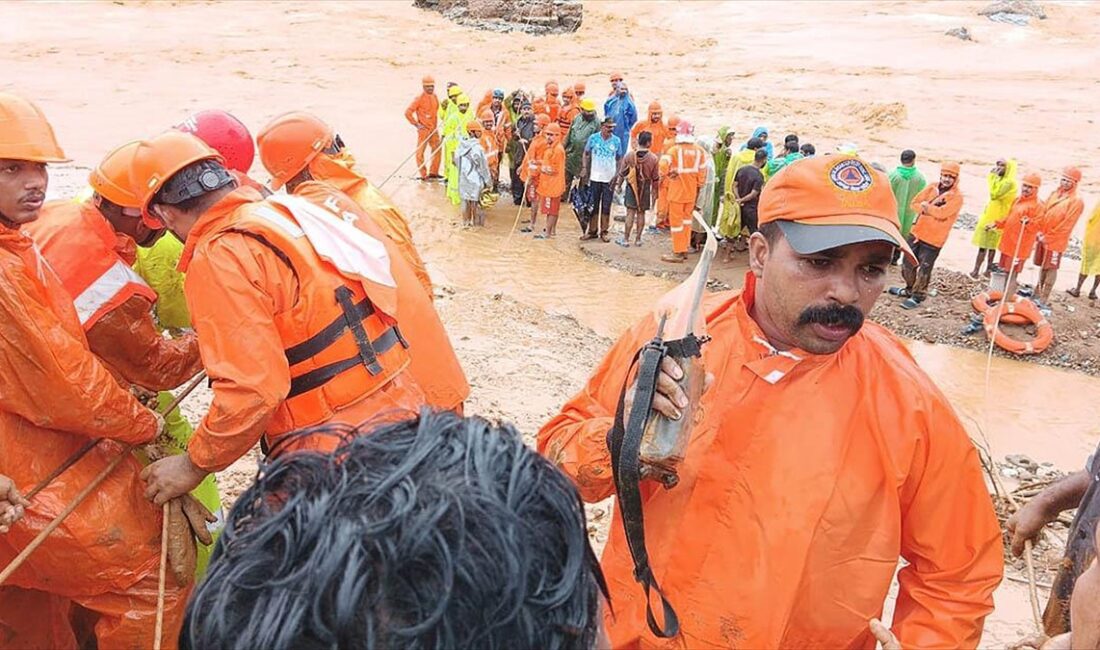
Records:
x=679, y=220
x=123, y=620
x=428, y=140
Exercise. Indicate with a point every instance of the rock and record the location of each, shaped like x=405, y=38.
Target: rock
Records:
x=1083, y=334
x=1019, y=7
x=530, y=16
x=961, y=33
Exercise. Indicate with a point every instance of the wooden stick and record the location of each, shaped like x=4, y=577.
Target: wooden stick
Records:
x=87, y=446
x=158, y=629
x=41, y=537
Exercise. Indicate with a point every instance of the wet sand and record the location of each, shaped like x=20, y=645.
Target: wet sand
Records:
x=530, y=319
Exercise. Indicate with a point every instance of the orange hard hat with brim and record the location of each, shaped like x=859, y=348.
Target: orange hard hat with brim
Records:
x=427, y=81
x=159, y=158
x=832, y=201
x=25, y=134
x=474, y=126
x=552, y=129
x=1033, y=179
x=290, y=142
x=111, y=179
x=951, y=168
x=1072, y=173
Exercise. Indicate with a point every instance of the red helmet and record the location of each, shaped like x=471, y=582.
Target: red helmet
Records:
x=225, y=134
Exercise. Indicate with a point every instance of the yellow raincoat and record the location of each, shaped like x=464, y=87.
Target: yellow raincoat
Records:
x=1002, y=192
x=1090, y=259
x=729, y=221
x=157, y=266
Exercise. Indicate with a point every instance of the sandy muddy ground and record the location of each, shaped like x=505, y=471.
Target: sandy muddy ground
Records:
x=529, y=319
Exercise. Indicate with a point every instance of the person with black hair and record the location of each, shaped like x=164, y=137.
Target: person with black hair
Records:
x=435, y=532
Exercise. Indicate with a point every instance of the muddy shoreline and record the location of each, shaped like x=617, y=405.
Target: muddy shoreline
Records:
x=940, y=320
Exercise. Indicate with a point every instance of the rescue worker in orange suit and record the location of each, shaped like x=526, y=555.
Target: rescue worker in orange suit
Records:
x=329, y=161
x=553, y=103
x=1060, y=214
x=423, y=113
x=529, y=168
x=818, y=454
x=570, y=108
x=1020, y=228
x=92, y=246
x=294, y=309
x=656, y=127
x=937, y=207
x=579, y=88
x=492, y=144
x=687, y=173
x=433, y=362
x=55, y=396
x=664, y=163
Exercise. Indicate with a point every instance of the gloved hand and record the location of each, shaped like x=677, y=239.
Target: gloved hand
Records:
x=187, y=522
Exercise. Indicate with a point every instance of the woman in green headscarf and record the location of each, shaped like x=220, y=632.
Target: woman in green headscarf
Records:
x=1003, y=188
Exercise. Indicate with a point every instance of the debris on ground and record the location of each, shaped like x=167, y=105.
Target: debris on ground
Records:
x=529, y=16
x=960, y=33
x=1014, y=12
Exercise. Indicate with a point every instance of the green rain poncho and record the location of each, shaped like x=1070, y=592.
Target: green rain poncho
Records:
x=729, y=221
x=721, y=163
x=906, y=182
x=454, y=129
x=157, y=266
x=1002, y=192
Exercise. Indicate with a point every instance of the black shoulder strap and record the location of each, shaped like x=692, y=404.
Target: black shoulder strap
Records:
x=625, y=441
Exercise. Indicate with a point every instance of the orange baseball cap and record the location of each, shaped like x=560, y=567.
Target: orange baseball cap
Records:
x=831, y=201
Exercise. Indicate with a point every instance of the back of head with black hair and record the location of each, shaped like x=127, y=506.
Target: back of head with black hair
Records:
x=908, y=156
x=808, y=150
x=436, y=532
x=761, y=155
x=645, y=138
x=754, y=143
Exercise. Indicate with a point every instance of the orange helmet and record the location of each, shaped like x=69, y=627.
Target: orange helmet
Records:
x=487, y=116
x=111, y=178
x=654, y=107
x=542, y=119
x=1072, y=173
x=552, y=129
x=159, y=158
x=579, y=87
x=473, y=127
x=427, y=80
x=551, y=88
x=568, y=92
x=1033, y=179
x=290, y=142
x=673, y=122
x=25, y=134
x=948, y=167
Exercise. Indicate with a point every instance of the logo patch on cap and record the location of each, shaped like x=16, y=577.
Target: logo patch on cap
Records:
x=851, y=175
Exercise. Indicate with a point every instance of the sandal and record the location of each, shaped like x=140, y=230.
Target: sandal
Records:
x=900, y=292
x=604, y=238
x=622, y=242
x=541, y=235
x=910, y=303
x=673, y=258
x=1092, y=295
x=1076, y=293
x=525, y=229
x=587, y=236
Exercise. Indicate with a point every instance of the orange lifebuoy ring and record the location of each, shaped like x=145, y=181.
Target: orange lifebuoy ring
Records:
x=983, y=302
x=1026, y=310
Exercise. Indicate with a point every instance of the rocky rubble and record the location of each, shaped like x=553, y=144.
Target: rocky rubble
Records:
x=529, y=16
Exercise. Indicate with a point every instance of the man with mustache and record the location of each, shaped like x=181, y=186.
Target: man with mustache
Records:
x=818, y=455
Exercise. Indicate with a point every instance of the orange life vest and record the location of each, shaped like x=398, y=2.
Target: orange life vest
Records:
x=81, y=247
x=340, y=348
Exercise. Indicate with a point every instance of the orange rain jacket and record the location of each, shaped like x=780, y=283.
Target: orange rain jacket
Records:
x=112, y=301
x=423, y=111
x=1019, y=238
x=805, y=478
x=1060, y=215
x=340, y=173
x=934, y=223
x=552, y=171
x=432, y=359
x=54, y=395
x=256, y=292
x=687, y=172
x=529, y=169
x=661, y=135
